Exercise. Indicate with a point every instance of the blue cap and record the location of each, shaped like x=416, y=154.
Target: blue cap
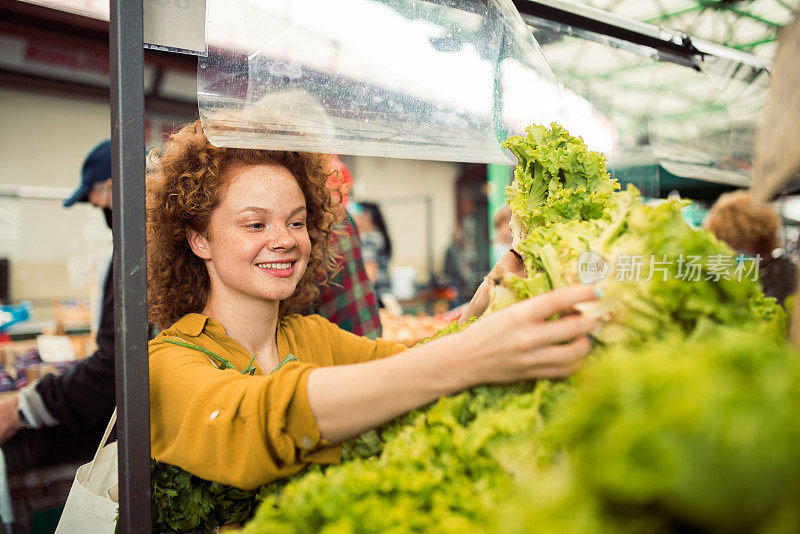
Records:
x=96, y=168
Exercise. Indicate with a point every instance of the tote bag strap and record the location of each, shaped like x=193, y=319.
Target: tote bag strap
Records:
x=103, y=441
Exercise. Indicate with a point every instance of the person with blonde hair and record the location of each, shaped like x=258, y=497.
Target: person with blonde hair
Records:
x=242, y=390
x=751, y=228
x=501, y=222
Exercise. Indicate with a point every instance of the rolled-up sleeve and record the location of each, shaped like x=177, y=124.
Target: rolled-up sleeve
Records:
x=220, y=425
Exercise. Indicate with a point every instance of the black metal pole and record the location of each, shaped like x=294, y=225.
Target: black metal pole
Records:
x=130, y=280
x=429, y=247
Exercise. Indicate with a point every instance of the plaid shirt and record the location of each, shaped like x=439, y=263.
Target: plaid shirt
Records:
x=350, y=300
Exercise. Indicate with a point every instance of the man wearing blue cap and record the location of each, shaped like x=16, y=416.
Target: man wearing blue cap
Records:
x=95, y=178
x=82, y=398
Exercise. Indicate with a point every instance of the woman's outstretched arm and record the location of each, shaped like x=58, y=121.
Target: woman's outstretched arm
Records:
x=513, y=344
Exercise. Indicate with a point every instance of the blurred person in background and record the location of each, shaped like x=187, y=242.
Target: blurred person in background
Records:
x=350, y=300
x=376, y=243
x=501, y=221
x=751, y=228
x=79, y=402
x=454, y=267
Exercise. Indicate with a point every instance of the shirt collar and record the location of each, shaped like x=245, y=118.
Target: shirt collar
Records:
x=191, y=324
x=194, y=324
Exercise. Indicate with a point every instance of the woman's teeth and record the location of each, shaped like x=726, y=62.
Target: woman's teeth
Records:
x=274, y=265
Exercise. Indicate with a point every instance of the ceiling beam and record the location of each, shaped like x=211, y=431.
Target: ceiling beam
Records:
x=51, y=86
x=610, y=74
x=747, y=47
x=747, y=14
x=44, y=23
x=786, y=6
x=712, y=108
x=717, y=5
x=672, y=14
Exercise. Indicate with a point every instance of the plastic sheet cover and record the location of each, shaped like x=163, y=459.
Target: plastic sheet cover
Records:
x=711, y=135
x=446, y=80
x=693, y=121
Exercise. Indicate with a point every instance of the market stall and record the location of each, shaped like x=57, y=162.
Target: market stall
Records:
x=261, y=96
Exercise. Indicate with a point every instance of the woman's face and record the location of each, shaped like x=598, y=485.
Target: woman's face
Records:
x=257, y=243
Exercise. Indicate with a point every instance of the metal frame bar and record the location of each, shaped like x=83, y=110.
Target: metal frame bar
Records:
x=610, y=35
x=586, y=18
x=130, y=280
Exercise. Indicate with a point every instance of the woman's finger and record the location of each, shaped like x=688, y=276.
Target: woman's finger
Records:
x=558, y=300
x=561, y=330
x=560, y=355
x=555, y=371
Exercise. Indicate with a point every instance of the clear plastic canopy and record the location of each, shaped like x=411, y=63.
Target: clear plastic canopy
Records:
x=711, y=136
x=445, y=80
x=693, y=118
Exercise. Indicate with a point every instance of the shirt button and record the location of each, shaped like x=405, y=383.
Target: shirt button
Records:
x=214, y=414
x=306, y=442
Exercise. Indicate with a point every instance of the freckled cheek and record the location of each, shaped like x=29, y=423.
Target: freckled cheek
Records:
x=305, y=247
x=243, y=249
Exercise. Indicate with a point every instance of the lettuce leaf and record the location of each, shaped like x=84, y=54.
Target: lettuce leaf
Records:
x=556, y=179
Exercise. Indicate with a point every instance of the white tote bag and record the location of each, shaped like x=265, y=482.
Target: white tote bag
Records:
x=93, y=500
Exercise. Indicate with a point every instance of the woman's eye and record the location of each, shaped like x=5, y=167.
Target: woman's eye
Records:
x=298, y=224
x=256, y=226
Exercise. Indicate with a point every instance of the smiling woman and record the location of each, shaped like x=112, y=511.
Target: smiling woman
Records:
x=185, y=192
x=239, y=238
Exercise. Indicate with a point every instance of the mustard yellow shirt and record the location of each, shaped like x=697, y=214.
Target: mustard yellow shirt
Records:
x=244, y=430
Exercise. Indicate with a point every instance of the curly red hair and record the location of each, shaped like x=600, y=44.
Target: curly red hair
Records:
x=744, y=224
x=185, y=188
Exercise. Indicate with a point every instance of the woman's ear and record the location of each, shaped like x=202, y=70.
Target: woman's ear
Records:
x=198, y=243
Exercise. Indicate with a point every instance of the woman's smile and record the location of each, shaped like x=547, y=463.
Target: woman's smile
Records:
x=278, y=269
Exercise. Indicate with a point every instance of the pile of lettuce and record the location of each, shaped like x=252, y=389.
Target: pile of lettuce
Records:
x=447, y=470
x=681, y=435
x=696, y=435
x=182, y=502
x=680, y=420
x=659, y=276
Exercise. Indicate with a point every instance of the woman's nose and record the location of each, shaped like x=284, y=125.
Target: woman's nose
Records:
x=281, y=239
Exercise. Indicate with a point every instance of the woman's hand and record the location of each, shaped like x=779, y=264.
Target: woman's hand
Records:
x=519, y=342
x=9, y=419
x=509, y=263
